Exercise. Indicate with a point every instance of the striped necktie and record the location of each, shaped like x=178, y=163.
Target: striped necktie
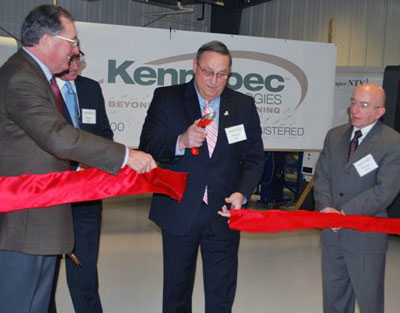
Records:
x=211, y=129
x=212, y=134
x=354, y=144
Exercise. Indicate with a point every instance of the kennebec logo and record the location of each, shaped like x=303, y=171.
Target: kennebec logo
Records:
x=156, y=73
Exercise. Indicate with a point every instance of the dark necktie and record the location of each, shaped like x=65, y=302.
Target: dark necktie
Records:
x=57, y=94
x=354, y=143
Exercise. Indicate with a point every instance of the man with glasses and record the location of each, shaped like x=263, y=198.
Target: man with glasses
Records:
x=224, y=172
x=84, y=102
x=357, y=173
x=36, y=139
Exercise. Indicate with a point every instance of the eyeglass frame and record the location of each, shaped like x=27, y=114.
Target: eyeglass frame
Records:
x=72, y=42
x=79, y=57
x=211, y=74
x=364, y=104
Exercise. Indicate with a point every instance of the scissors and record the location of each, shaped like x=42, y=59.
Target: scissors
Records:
x=204, y=121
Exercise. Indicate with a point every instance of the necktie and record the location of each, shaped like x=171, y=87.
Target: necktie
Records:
x=212, y=134
x=354, y=143
x=57, y=95
x=212, y=130
x=72, y=105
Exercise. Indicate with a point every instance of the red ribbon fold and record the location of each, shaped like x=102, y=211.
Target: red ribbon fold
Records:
x=276, y=221
x=36, y=191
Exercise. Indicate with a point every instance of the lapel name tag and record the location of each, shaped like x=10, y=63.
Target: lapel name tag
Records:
x=88, y=116
x=235, y=133
x=365, y=165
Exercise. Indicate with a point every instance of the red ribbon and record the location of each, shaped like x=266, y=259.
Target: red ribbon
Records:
x=276, y=221
x=36, y=191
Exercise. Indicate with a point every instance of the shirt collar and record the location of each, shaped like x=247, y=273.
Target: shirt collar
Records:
x=364, y=131
x=214, y=104
x=44, y=68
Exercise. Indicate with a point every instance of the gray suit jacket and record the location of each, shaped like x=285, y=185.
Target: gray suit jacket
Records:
x=36, y=139
x=338, y=184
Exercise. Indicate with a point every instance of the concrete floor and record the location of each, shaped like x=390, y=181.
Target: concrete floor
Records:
x=278, y=273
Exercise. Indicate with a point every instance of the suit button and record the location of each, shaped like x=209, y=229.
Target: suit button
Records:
x=341, y=194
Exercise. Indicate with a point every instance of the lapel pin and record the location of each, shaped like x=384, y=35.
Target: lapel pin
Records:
x=226, y=113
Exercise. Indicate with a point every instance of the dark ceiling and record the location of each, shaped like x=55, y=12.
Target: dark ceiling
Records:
x=174, y=4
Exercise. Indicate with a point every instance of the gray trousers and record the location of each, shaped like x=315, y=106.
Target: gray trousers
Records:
x=347, y=276
x=25, y=282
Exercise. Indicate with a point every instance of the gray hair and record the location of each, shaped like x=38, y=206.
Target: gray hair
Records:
x=44, y=19
x=214, y=46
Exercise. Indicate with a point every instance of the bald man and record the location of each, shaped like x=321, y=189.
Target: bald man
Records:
x=357, y=173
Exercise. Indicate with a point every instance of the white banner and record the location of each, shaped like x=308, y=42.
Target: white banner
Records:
x=8, y=46
x=292, y=82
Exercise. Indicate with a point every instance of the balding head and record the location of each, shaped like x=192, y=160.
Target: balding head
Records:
x=367, y=105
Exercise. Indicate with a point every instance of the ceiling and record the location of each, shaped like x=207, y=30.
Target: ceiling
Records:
x=178, y=4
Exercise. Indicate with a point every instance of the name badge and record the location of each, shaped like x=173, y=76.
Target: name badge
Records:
x=235, y=133
x=88, y=116
x=366, y=165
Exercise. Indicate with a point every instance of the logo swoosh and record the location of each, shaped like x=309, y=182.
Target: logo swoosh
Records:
x=287, y=65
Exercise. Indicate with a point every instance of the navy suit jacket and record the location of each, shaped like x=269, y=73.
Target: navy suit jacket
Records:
x=232, y=168
x=91, y=97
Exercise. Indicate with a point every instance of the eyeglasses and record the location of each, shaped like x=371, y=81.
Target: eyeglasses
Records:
x=79, y=57
x=364, y=105
x=72, y=42
x=210, y=74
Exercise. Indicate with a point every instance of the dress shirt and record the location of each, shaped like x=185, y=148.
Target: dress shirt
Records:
x=364, y=131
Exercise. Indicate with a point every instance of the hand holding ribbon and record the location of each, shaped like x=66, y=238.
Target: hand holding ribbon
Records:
x=36, y=191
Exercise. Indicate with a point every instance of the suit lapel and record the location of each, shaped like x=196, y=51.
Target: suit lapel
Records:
x=367, y=143
x=192, y=111
x=344, y=145
x=27, y=59
x=227, y=116
x=191, y=104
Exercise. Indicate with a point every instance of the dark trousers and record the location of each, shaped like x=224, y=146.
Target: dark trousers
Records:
x=220, y=264
x=82, y=281
x=347, y=276
x=25, y=282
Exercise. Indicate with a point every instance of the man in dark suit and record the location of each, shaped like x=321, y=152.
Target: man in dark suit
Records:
x=225, y=172
x=36, y=139
x=83, y=100
x=357, y=173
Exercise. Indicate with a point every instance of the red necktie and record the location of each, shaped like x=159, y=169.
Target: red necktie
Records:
x=57, y=94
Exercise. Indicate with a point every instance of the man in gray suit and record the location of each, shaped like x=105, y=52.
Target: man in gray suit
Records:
x=357, y=173
x=36, y=139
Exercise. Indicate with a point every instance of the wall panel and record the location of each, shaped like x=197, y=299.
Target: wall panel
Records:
x=366, y=31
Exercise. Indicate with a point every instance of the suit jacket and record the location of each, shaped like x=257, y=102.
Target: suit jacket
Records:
x=36, y=139
x=90, y=97
x=232, y=168
x=338, y=184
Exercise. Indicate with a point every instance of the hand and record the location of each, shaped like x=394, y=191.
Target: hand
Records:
x=193, y=137
x=140, y=162
x=236, y=201
x=225, y=212
x=331, y=210
x=83, y=166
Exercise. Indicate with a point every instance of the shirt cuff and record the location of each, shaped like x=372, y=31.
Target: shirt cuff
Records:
x=178, y=152
x=126, y=157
